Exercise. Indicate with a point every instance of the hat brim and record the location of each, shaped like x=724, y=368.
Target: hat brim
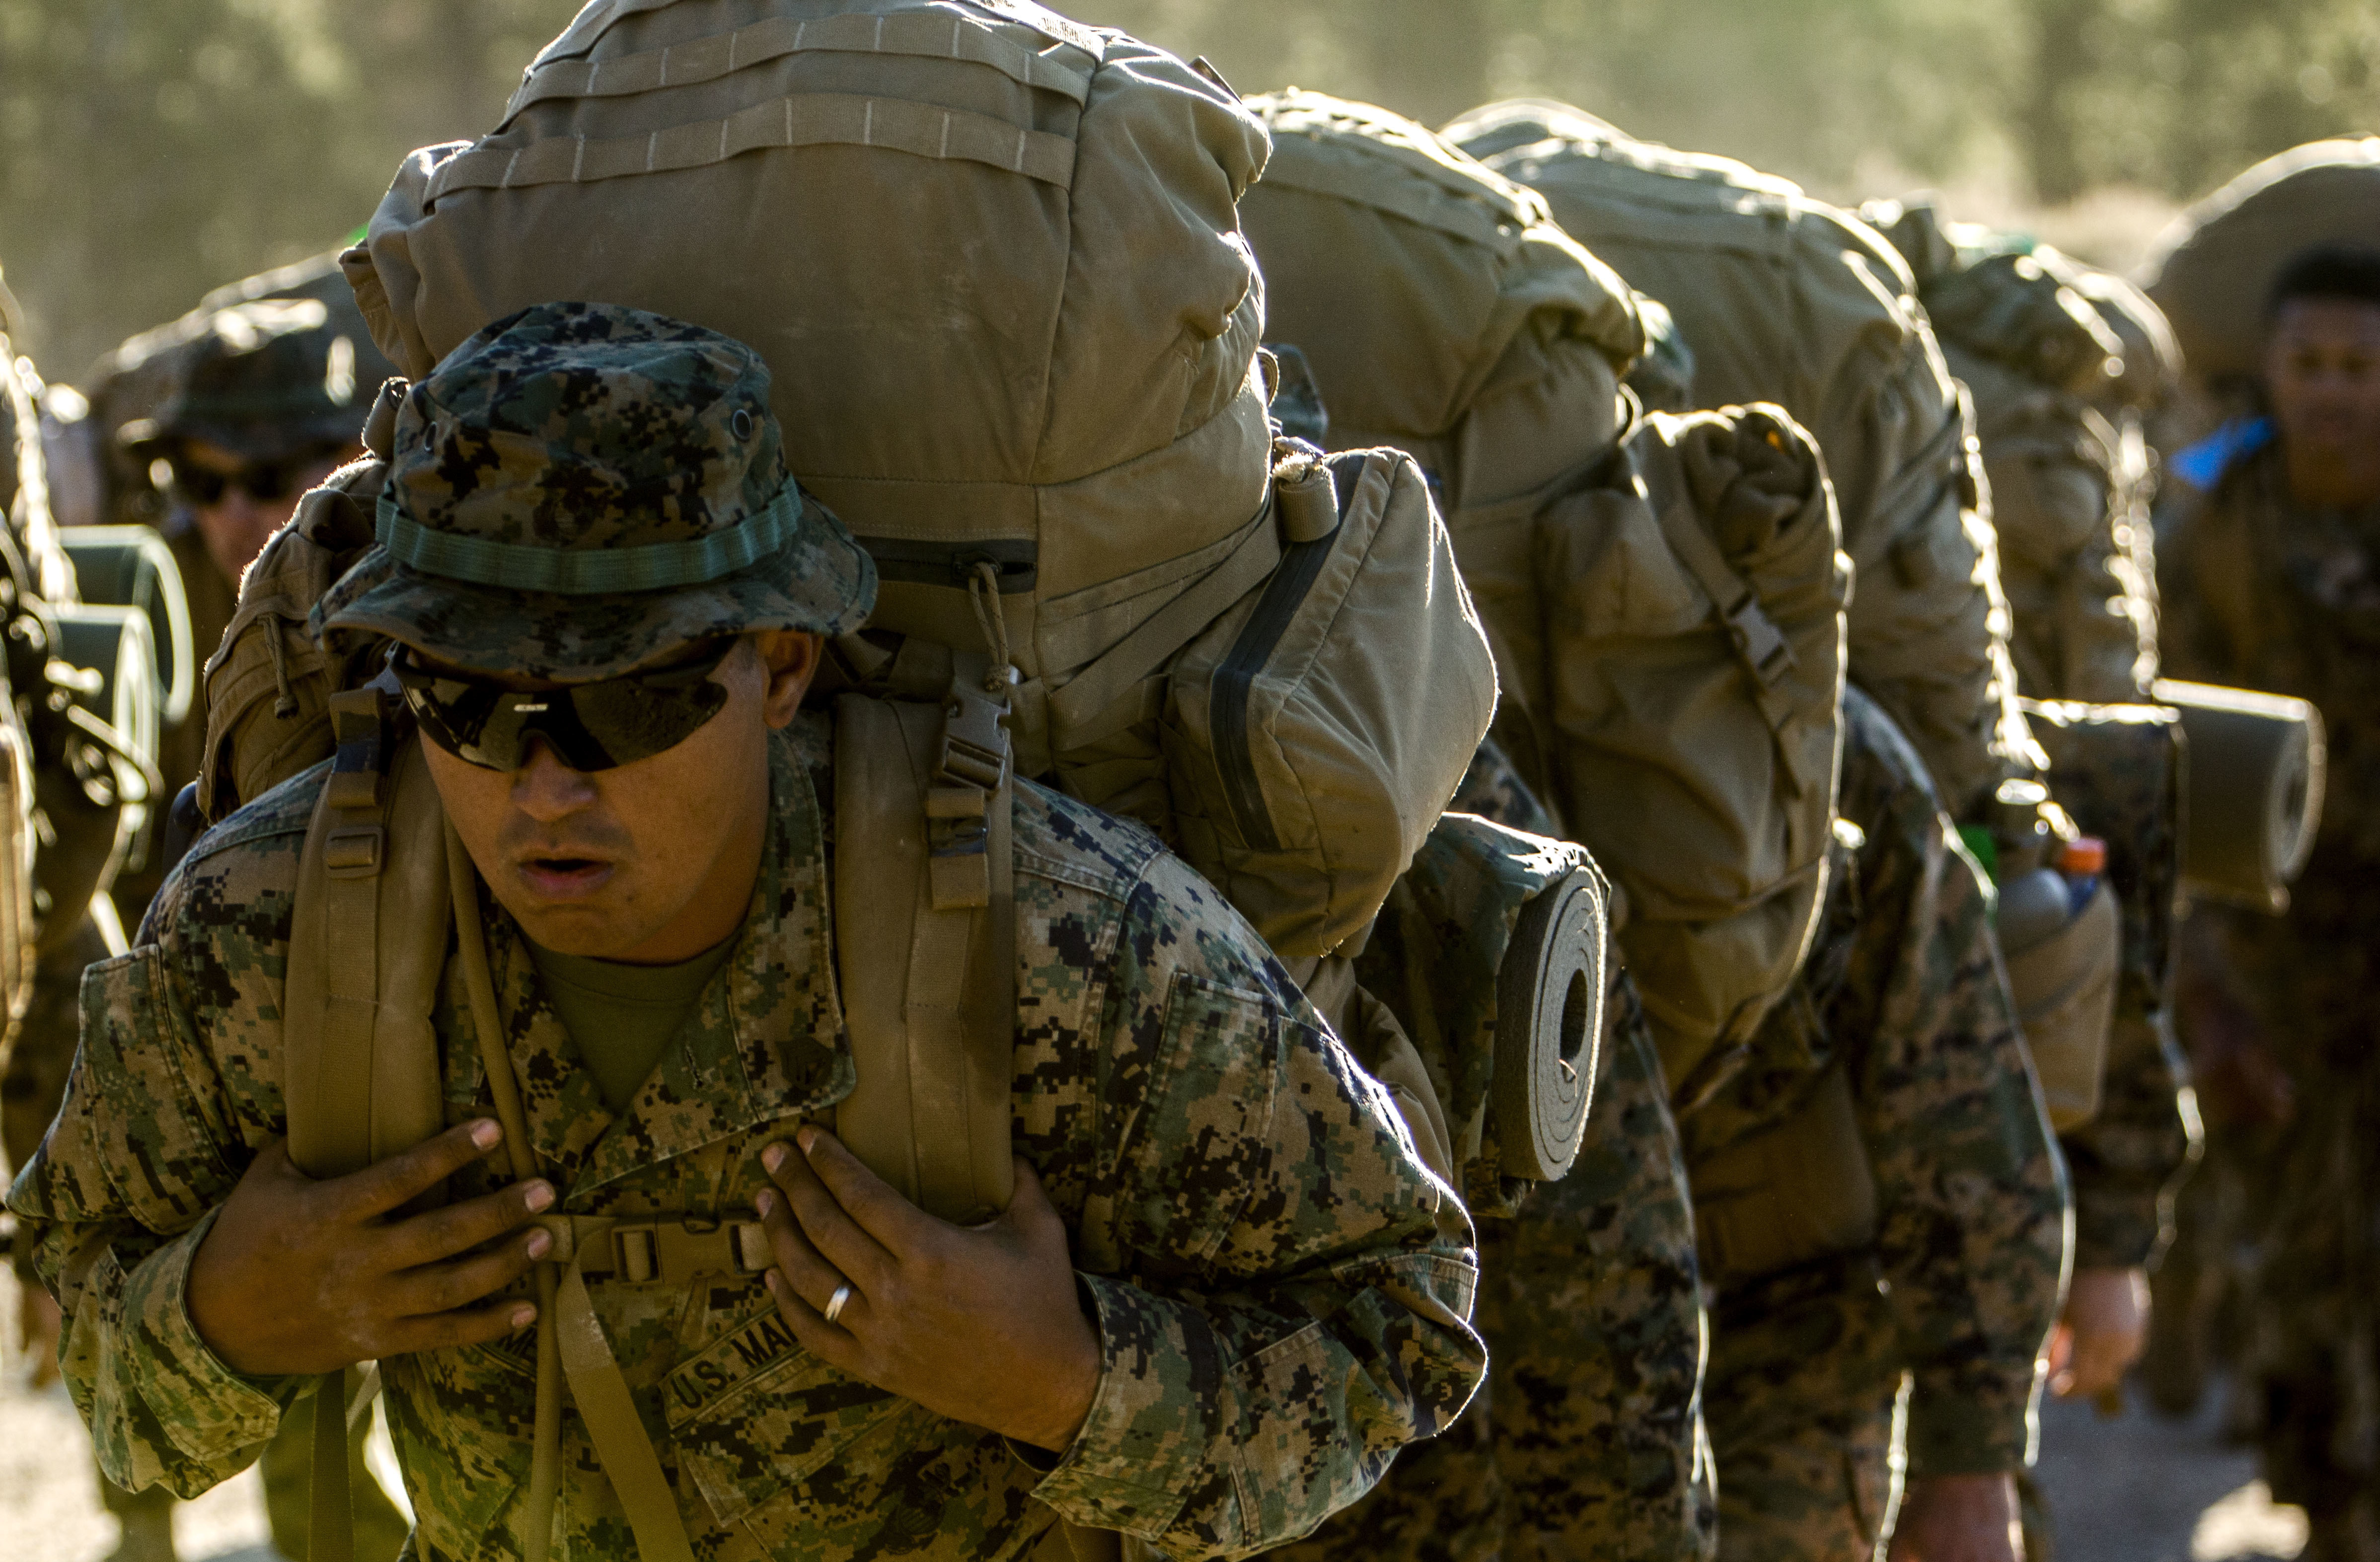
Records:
x=250, y=442
x=822, y=584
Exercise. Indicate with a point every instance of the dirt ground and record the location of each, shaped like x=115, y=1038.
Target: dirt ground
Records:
x=2135, y=1490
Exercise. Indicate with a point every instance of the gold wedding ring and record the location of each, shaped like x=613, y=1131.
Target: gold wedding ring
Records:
x=838, y=1301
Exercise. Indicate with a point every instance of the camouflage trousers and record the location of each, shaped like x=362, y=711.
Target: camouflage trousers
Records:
x=1586, y=1440
x=2315, y=1303
x=1802, y=1399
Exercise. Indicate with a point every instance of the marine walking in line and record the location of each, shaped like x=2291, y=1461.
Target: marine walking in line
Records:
x=629, y=774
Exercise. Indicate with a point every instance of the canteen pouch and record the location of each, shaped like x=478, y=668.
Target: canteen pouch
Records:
x=1787, y=1195
x=2065, y=992
x=1314, y=732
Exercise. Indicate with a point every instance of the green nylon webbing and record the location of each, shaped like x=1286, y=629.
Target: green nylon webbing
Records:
x=587, y=572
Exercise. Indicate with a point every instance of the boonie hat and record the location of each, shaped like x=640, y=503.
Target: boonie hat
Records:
x=265, y=380
x=582, y=489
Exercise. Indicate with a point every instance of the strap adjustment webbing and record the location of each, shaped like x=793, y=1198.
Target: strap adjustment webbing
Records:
x=662, y=1250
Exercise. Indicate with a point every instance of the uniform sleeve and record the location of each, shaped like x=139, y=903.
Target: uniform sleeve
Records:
x=1971, y=1195
x=1282, y=1289
x=145, y=1148
x=2128, y=1161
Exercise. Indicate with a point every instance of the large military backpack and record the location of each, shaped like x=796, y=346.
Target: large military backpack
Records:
x=77, y=776
x=1667, y=613
x=1783, y=298
x=1100, y=567
x=2067, y=478
x=2214, y=267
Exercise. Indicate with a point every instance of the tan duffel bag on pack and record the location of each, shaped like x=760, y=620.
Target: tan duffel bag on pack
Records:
x=1666, y=616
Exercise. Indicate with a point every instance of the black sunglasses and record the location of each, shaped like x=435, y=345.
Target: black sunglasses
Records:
x=264, y=481
x=591, y=726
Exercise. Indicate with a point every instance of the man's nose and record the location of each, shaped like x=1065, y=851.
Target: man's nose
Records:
x=546, y=789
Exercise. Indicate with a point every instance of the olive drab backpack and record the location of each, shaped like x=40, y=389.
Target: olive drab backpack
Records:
x=2067, y=472
x=1783, y=298
x=1665, y=596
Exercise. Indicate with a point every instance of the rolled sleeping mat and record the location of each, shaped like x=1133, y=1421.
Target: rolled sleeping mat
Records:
x=132, y=566
x=2253, y=791
x=104, y=728
x=114, y=676
x=1549, y=1024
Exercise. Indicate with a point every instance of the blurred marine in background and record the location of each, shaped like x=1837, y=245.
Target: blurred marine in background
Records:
x=2270, y=572
x=207, y=430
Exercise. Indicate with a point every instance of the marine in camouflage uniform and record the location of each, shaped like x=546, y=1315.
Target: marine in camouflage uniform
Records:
x=1277, y=1287
x=259, y=404
x=1957, y=1284
x=1587, y=1440
x=2063, y=369
x=2265, y=589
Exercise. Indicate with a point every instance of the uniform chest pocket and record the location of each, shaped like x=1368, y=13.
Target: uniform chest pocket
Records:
x=754, y=1413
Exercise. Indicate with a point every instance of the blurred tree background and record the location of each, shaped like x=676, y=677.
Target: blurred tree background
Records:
x=152, y=149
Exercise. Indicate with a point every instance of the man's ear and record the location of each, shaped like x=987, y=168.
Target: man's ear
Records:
x=791, y=658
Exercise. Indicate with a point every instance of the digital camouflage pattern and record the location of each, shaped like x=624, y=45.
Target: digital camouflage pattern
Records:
x=1279, y=1286
x=590, y=432
x=2264, y=593
x=1903, y=990
x=1588, y=1440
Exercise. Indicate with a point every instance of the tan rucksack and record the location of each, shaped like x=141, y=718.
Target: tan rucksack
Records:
x=1667, y=615
x=1029, y=227
x=1783, y=298
x=2069, y=473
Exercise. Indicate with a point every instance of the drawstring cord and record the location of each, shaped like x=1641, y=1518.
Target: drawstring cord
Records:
x=983, y=594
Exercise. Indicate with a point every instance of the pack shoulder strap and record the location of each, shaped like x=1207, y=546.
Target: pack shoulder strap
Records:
x=367, y=945
x=926, y=942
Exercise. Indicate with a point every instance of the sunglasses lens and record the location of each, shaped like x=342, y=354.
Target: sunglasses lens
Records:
x=266, y=484
x=590, y=726
x=199, y=484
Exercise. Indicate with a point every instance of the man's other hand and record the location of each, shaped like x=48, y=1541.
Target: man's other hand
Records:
x=300, y=1277
x=1958, y=1518
x=979, y=1324
x=2101, y=1334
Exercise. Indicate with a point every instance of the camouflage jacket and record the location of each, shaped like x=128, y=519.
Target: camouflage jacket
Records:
x=1903, y=988
x=1280, y=1288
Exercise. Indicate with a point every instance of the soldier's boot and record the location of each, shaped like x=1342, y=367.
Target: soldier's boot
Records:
x=2345, y=1533
x=2183, y=1293
x=144, y=1522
